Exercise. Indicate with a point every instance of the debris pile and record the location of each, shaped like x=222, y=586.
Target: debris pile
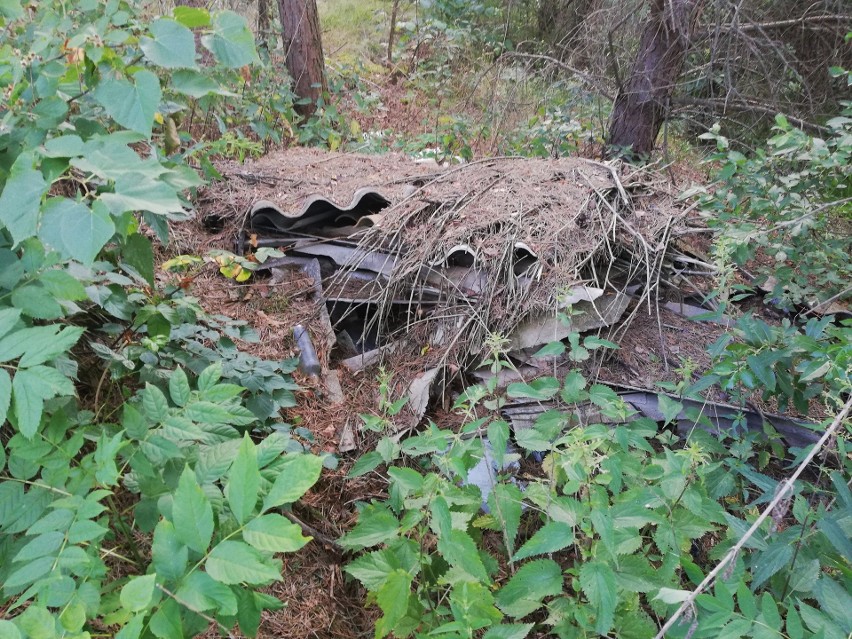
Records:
x=427, y=267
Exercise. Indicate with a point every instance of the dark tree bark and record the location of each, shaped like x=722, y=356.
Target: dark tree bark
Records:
x=263, y=22
x=640, y=106
x=392, y=32
x=303, y=44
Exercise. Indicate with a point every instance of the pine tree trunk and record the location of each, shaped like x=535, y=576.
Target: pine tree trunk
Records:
x=263, y=22
x=640, y=106
x=303, y=45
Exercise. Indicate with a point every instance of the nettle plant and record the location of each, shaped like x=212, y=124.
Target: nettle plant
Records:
x=604, y=536
x=155, y=509
x=793, y=201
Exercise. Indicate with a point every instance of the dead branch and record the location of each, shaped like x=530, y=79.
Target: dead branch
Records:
x=591, y=81
x=747, y=105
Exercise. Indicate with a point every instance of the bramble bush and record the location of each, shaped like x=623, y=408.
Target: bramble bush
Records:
x=182, y=445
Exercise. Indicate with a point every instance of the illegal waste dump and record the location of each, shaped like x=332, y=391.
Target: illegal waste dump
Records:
x=422, y=270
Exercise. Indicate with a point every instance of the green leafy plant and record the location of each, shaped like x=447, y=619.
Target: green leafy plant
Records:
x=792, y=364
x=793, y=202
x=186, y=449
x=619, y=524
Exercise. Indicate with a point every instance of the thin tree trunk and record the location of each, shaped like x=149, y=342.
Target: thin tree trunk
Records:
x=263, y=22
x=392, y=33
x=303, y=45
x=640, y=106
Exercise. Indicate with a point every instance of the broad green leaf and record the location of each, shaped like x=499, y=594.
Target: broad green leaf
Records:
x=553, y=349
x=172, y=47
x=192, y=17
x=21, y=198
x=209, y=376
x=820, y=623
x=604, y=398
x=460, y=551
x=407, y=480
x=166, y=622
x=532, y=439
x=192, y=514
x=836, y=535
x=85, y=530
x=154, y=403
x=196, y=85
x=770, y=561
x=35, y=301
x=28, y=401
x=525, y=591
x=505, y=503
x=793, y=624
x=233, y=562
x=243, y=483
x=132, y=105
x=274, y=533
x=133, y=628
x=30, y=572
x=168, y=555
x=11, y=10
x=139, y=254
x=365, y=464
x=672, y=595
x=598, y=583
x=232, y=41
x=592, y=343
x=296, y=474
x=74, y=230
x=201, y=592
x=136, y=192
x=669, y=408
x=44, y=544
x=573, y=388
x=509, y=631
x=770, y=611
x=372, y=569
x=376, y=525
x=8, y=630
x=38, y=623
x=552, y=537
x=835, y=601
x=43, y=343
x=62, y=285
x=761, y=366
x=137, y=594
x=805, y=575
x=5, y=394
x=498, y=437
x=635, y=574
x=133, y=423
x=9, y=318
x=540, y=389
x=179, y=387
x=473, y=605
x=63, y=146
x=393, y=599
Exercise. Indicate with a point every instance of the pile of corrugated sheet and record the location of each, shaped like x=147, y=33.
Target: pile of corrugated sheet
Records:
x=425, y=269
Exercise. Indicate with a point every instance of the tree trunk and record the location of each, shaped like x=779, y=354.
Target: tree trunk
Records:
x=392, y=32
x=303, y=44
x=640, y=106
x=263, y=22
